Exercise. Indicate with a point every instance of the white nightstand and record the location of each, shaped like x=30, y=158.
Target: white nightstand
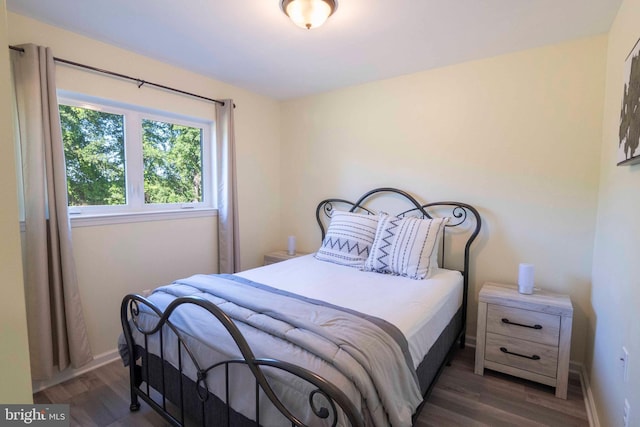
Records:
x=278, y=256
x=528, y=336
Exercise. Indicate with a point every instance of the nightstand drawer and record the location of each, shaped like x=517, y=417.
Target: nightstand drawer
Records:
x=534, y=357
x=529, y=325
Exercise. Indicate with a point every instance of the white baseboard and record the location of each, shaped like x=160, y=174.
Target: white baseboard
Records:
x=470, y=341
x=589, y=401
x=67, y=374
x=579, y=369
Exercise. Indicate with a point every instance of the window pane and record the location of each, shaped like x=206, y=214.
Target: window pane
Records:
x=172, y=156
x=94, y=156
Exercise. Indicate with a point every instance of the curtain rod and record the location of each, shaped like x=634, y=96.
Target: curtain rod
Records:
x=139, y=82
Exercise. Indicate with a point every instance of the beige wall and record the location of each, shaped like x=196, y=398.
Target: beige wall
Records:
x=117, y=259
x=114, y=260
x=15, y=375
x=616, y=270
x=518, y=136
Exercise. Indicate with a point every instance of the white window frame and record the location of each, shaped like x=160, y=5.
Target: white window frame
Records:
x=135, y=208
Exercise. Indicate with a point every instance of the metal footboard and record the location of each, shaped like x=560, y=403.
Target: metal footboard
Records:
x=325, y=401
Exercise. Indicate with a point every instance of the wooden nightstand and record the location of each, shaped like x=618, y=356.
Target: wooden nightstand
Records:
x=278, y=256
x=528, y=336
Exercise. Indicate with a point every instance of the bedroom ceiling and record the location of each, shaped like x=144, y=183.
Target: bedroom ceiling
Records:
x=253, y=45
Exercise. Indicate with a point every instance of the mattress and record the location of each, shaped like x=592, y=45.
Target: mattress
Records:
x=420, y=309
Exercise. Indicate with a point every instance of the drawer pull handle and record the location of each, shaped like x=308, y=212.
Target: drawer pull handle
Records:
x=534, y=357
x=508, y=322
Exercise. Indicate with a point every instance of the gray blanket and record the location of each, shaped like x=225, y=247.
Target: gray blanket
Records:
x=338, y=344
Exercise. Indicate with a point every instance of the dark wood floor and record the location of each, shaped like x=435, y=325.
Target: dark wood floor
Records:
x=460, y=398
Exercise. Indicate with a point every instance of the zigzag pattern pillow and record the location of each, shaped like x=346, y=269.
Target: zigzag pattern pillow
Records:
x=349, y=238
x=406, y=246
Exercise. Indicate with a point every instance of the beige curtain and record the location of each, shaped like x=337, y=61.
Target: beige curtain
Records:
x=57, y=331
x=227, y=196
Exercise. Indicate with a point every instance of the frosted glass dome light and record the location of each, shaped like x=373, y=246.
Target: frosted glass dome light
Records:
x=309, y=13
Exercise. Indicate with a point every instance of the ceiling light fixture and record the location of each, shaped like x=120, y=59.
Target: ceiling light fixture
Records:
x=308, y=13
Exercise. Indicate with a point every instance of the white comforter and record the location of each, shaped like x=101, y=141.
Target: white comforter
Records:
x=421, y=309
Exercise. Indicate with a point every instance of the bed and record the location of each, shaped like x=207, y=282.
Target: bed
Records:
x=322, y=339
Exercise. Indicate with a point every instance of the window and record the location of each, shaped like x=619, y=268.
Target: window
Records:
x=172, y=157
x=123, y=159
x=94, y=156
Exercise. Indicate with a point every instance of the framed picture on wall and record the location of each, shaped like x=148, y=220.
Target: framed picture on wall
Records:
x=629, y=141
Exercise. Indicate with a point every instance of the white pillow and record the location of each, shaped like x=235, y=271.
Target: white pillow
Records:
x=349, y=238
x=406, y=246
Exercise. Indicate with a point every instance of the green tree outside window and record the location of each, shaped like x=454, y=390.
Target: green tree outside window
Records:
x=94, y=156
x=172, y=162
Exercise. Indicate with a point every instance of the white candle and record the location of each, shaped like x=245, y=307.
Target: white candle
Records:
x=291, y=245
x=525, y=279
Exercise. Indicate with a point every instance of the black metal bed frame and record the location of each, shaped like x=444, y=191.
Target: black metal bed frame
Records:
x=326, y=401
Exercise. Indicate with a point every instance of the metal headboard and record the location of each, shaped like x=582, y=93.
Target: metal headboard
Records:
x=461, y=214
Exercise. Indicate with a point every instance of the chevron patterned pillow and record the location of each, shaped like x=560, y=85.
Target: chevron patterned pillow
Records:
x=348, y=239
x=406, y=246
